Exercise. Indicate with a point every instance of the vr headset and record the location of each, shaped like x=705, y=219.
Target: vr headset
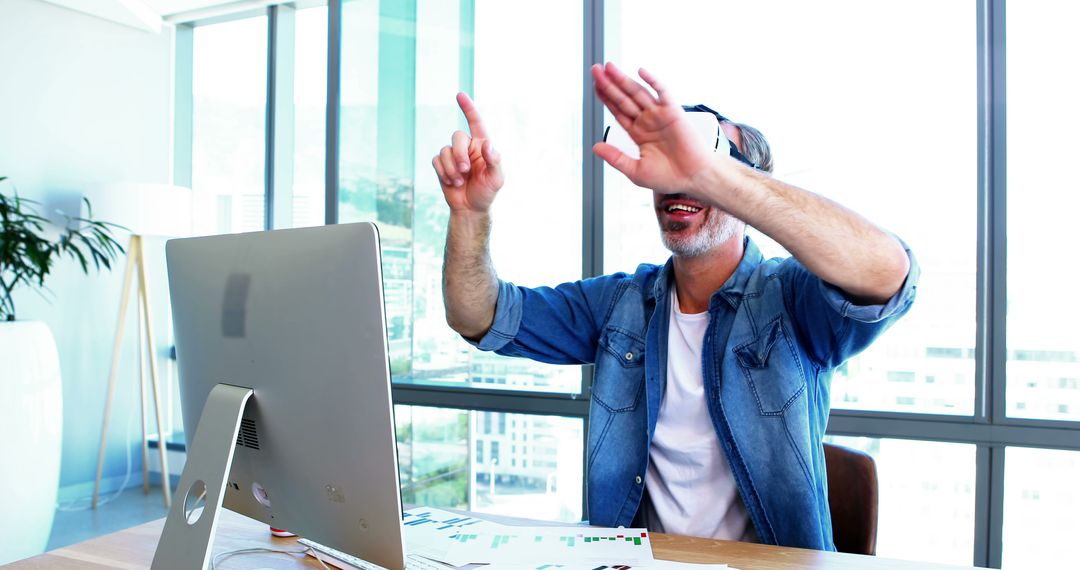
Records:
x=704, y=120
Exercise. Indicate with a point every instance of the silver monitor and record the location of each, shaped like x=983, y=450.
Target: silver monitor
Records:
x=285, y=391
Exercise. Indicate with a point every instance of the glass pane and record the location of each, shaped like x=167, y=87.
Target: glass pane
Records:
x=229, y=126
x=1043, y=366
x=508, y=464
x=306, y=200
x=1041, y=504
x=402, y=64
x=531, y=99
x=847, y=109
x=924, y=513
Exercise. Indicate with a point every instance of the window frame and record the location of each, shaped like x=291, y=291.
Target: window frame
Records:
x=989, y=428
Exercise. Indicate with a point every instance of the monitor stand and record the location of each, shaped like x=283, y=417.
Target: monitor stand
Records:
x=189, y=531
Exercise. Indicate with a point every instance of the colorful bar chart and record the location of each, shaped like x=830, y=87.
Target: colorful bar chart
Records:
x=458, y=540
x=551, y=545
x=440, y=520
x=430, y=532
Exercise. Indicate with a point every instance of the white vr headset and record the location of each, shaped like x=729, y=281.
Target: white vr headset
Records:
x=706, y=123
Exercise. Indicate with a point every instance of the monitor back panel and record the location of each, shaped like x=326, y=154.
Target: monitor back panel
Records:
x=298, y=316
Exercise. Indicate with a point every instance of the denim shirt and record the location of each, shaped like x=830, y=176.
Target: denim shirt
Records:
x=775, y=333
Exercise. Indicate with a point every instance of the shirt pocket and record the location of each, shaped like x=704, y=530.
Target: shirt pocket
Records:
x=620, y=370
x=772, y=368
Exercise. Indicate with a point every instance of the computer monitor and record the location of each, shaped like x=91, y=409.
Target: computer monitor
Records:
x=285, y=390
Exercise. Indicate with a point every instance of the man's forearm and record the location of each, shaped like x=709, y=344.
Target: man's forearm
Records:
x=835, y=243
x=470, y=287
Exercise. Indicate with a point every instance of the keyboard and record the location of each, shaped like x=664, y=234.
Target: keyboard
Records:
x=340, y=559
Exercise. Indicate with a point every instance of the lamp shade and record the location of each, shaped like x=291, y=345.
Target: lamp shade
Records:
x=145, y=209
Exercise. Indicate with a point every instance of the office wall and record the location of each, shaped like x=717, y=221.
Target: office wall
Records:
x=83, y=102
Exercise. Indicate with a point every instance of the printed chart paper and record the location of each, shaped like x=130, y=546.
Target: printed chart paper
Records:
x=514, y=545
x=468, y=542
x=430, y=532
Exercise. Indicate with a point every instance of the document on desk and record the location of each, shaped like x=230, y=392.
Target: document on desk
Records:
x=550, y=545
x=464, y=541
x=460, y=539
x=431, y=532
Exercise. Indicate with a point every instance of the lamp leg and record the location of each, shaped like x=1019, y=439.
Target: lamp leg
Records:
x=142, y=403
x=120, y=321
x=149, y=324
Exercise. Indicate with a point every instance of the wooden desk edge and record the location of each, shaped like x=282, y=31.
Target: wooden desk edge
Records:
x=133, y=549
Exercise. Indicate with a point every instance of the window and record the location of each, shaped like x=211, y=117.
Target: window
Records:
x=300, y=194
x=228, y=130
x=836, y=111
x=436, y=469
x=433, y=446
x=899, y=376
x=1042, y=343
x=1041, y=502
x=924, y=513
x=402, y=64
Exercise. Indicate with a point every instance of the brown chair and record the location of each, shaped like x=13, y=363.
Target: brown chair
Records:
x=853, y=499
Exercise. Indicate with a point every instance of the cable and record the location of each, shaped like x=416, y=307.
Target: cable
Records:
x=315, y=553
x=223, y=555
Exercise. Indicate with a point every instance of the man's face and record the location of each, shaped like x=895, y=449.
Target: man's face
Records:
x=687, y=227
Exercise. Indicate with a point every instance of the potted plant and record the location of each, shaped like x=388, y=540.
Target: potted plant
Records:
x=31, y=409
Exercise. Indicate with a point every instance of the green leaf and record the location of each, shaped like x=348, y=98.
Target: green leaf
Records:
x=82, y=259
x=27, y=254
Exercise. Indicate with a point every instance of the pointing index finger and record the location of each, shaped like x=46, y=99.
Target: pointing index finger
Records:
x=476, y=124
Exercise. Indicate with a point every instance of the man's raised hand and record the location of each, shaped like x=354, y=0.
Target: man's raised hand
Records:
x=671, y=151
x=469, y=168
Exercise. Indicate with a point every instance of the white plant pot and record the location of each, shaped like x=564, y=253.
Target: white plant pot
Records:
x=31, y=418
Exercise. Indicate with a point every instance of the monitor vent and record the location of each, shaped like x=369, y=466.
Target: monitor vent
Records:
x=248, y=436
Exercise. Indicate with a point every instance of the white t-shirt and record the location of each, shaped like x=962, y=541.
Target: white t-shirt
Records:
x=691, y=488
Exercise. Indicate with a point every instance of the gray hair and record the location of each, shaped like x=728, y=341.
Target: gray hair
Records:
x=755, y=147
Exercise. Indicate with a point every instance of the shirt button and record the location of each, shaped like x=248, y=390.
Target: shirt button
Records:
x=629, y=355
x=637, y=479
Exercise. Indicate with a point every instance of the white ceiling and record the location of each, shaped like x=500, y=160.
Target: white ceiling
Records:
x=170, y=7
x=150, y=15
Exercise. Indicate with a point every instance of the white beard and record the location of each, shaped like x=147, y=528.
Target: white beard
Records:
x=718, y=228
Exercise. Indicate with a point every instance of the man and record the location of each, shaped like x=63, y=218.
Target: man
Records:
x=711, y=389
